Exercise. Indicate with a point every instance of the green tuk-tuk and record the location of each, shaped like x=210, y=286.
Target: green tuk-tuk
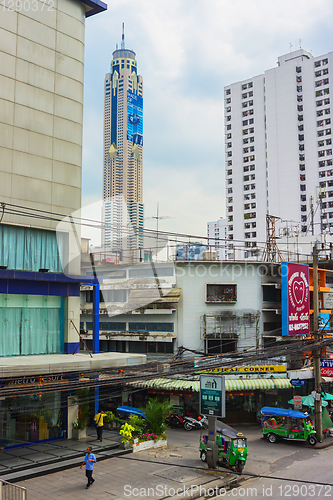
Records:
x=279, y=423
x=232, y=447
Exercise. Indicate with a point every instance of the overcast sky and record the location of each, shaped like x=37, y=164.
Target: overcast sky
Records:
x=187, y=51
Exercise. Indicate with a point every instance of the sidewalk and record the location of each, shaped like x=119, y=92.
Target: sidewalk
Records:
x=42, y=458
x=130, y=476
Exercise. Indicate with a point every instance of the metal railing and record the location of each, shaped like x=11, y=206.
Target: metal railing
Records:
x=9, y=491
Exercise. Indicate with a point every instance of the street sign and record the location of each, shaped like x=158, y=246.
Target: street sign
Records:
x=326, y=367
x=297, y=382
x=297, y=402
x=212, y=395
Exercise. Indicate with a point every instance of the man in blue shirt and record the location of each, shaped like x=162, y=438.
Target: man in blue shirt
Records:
x=89, y=460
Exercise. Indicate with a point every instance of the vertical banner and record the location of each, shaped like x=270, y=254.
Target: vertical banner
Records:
x=295, y=298
x=134, y=118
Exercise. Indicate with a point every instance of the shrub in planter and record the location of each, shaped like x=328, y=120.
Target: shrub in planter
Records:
x=156, y=413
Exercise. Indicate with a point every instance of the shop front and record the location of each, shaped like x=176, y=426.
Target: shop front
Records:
x=244, y=397
x=31, y=418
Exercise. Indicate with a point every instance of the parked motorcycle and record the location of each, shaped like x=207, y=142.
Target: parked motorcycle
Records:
x=174, y=420
x=191, y=423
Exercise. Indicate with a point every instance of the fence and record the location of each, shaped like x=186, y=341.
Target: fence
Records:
x=10, y=491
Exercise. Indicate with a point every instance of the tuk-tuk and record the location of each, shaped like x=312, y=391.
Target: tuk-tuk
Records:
x=279, y=423
x=232, y=447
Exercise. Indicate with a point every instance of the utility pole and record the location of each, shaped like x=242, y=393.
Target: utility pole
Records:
x=316, y=352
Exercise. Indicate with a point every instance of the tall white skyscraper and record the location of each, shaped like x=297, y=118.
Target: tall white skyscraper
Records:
x=122, y=153
x=279, y=151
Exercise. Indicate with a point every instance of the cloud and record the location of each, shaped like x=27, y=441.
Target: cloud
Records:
x=187, y=51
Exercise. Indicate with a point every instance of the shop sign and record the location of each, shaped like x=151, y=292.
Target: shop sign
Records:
x=245, y=369
x=323, y=321
x=296, y=382
x=38, y=379
x=295, y=299
x=326, y=367
x=297, y=402
x=328, y=300
x=212, y=395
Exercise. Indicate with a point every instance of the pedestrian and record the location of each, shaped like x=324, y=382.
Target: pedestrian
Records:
x=89, y=460
x=99, y=424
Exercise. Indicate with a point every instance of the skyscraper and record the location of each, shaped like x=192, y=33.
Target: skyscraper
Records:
x=122, y=153
x=279, y=150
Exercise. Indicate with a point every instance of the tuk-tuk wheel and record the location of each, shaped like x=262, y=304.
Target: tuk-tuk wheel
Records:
x=312, y=440
x=272, y=438
x=239, y=467
x=203, y=456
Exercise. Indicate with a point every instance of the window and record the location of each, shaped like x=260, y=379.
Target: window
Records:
x=229, y=144
x=253, y=196
x=221, y=293
x=298, y=79
x=317, y=64
x=228, y=109
x=229, y=163
x=302, y=187
x=244, y=86
x=302, y=177
x=300, y=118
x=229, y=172
x=300, y=128
x=251, y=93
x=229, y=127
x=228, y=101
x=250, y=85
x=301, y=147
x=327, y=111
x=303, y=197
x=228, y=91
x=251, y=121
x=301, y=157
x=298, y=69
x=247, y=225
x=246, y=168
x=245, y=122
x=301, y=137
x=299, y=88
x=228, y=136
x=254, y=234
x=300, y=107
x=247, y=207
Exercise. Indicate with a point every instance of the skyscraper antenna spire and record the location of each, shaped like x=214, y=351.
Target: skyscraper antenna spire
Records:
x=123, y=37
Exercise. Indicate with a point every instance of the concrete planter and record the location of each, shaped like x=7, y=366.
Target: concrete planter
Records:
x=147, y=445
x=79, y=434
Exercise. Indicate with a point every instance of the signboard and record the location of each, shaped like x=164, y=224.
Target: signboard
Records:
x=296, y=382
x=245, y=369
x=134, y=118
x=295, y=299
x=212, y=395
x=323, y=320
x=326, y=367
x=328, y=300
x=297, y=402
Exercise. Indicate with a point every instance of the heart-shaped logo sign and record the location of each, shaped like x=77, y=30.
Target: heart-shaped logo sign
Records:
x=298, y=290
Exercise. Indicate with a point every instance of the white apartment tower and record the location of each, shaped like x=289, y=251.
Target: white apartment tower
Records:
x=122, y=153
x=279, y=151
x=217, y=235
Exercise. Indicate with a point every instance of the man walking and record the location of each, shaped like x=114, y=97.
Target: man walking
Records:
x=89, y=460
x=99, y=423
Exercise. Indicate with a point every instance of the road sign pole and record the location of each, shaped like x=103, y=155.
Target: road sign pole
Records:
x=212, y=448
x=316, y=353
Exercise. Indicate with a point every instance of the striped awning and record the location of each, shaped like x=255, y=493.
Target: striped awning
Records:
x=230, y=384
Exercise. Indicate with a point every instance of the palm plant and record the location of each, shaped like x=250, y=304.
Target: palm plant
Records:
x=156, y=413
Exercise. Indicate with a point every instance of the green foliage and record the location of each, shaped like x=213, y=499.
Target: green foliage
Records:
x=156, y=412
x=139, y=425
x=109, y=416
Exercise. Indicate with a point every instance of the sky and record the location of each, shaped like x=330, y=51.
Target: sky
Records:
x=187, y=51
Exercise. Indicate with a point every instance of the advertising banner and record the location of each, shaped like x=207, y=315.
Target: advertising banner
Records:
x=295, y=298
x=134, y=118
x=326, y=367
x=323, y=320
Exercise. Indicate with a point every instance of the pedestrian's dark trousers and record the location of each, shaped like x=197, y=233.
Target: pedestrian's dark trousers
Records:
x=89, y=477
x=100, y=432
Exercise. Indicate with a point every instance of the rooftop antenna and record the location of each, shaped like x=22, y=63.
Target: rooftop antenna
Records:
x=300, y=43
x=123, y=37
x=290, y=46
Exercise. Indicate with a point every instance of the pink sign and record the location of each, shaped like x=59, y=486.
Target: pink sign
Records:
x=295, y=299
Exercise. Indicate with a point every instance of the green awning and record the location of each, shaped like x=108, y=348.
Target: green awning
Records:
x=230, y=384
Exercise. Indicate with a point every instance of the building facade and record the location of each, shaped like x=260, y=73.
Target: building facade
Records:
x=279, y=151
x=122, y=154
x=41, y=118
x=217, y=238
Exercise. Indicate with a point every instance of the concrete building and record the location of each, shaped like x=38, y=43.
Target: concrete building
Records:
x=279, y=150
x=41, y=111
x=217, y=234
x=122, y=153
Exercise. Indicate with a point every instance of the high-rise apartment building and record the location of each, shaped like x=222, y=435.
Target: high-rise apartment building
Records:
x=122, y=153
x=279, y=151
x=217, y=235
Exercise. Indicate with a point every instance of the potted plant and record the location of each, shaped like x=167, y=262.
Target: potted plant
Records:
x=109, y=420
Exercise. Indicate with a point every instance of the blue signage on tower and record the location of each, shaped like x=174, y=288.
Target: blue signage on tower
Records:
x=134, y=118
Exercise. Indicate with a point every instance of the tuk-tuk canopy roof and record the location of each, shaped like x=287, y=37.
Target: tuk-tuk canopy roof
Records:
x=282, y=412
x=224, y=429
